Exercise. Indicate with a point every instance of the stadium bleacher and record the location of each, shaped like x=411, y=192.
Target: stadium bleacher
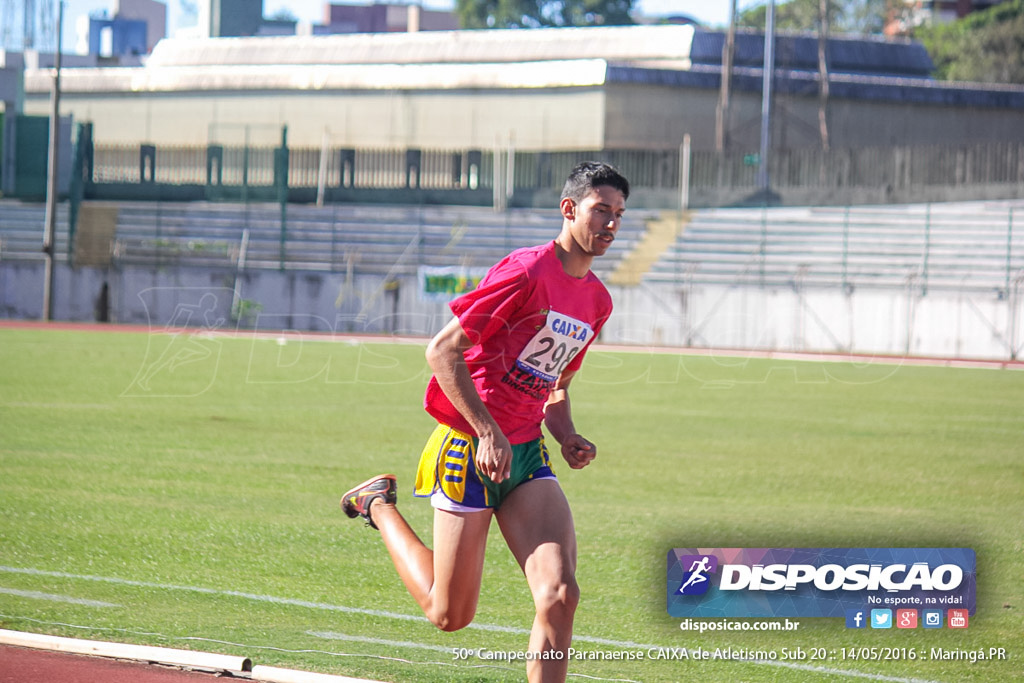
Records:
x=970, y=246
x=21, y=230
x=378, y=240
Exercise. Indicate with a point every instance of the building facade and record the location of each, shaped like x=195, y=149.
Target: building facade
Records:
x=641, y=87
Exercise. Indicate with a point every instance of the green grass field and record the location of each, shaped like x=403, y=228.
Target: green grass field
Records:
x=183, y=491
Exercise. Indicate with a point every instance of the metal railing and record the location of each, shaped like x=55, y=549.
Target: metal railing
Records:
x=891, y=168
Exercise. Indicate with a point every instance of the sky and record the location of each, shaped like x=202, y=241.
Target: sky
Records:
x=709, y=12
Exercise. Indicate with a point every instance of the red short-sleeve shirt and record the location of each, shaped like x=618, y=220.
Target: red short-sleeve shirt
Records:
x=529, y=321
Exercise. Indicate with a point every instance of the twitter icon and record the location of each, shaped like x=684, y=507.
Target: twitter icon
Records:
x=881, y=618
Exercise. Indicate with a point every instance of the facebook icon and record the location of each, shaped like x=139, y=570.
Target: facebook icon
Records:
x=856, y=618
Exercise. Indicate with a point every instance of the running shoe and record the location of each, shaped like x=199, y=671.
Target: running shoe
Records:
x=357, y=501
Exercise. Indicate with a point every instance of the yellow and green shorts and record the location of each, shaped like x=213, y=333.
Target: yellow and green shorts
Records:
x=447, y=472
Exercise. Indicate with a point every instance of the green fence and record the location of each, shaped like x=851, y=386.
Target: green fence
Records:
x=31, y=153
x=469, y=176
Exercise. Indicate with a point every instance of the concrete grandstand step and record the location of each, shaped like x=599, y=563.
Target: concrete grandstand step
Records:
x=661, y=232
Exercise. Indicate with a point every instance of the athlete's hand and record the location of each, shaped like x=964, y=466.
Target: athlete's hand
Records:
x=494, y=457
x=577, y=451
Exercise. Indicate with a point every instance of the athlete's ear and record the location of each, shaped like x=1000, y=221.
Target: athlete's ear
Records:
x=568, y=207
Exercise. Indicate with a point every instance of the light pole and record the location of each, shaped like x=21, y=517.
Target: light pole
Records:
x=50, y=228
x=766, y=98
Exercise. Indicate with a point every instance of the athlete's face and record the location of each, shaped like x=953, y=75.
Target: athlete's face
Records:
x=595, y=219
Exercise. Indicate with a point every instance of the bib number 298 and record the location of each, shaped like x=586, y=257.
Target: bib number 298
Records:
x=552, y=357
x=554, y=346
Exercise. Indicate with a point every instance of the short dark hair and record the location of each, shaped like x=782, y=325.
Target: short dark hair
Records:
x=590, y=174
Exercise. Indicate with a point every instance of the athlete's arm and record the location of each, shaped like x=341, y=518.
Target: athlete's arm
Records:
x=576, y=450
x=447, y=362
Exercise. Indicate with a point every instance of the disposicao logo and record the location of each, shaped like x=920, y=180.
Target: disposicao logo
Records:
x=817, y=582
x=696, y=579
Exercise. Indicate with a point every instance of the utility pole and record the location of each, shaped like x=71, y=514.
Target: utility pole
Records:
x=28, y=33
x=50, y=229
x=8, y=24
x=823, y=92
x=768, y=71
x=724, y=95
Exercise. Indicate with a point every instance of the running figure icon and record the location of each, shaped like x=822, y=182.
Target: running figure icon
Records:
x=697, y=573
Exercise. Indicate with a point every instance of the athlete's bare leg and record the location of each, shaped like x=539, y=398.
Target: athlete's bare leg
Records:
x=460, y=539
x=537, y=524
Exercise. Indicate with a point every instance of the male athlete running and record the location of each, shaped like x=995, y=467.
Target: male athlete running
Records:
x=502, y=366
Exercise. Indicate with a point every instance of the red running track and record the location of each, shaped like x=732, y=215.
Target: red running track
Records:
x=29, y=665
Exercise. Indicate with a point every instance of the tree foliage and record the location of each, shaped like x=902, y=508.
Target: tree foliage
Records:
x=283, y=14
x=844, y=16
x=543, y=13
x=985, y=46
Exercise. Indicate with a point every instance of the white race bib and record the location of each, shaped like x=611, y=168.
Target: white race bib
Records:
x=554, y=346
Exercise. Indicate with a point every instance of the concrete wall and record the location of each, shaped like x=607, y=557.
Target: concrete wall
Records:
x=204, y=297
x=855, y=123
x=618, y=115
x=537, y=119
x=641, y=116
x=657, y=117
x=866, y=322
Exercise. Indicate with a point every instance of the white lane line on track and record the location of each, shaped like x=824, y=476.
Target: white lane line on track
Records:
x=53, y=597
x=331, y=635
x=294, y=602
x=848, y=673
